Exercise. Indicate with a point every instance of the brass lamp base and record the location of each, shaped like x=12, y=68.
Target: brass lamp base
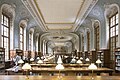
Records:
x=27, y=78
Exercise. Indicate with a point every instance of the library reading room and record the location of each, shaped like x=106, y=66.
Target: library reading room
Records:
x=59, y=39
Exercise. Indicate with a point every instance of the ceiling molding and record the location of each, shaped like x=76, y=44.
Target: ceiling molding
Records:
x=46, y=23
x=85, y=14
x=28, y=4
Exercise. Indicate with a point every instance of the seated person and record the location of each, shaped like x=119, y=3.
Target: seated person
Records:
x=16, y=67
x=16, y=59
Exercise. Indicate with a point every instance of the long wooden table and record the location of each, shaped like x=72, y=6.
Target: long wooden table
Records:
x=23, y=77
x=67, y=71
x=65, y=65
x=71, y=70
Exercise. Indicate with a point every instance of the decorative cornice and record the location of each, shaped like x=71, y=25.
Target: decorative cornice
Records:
x=29, y=5
x=86, y=14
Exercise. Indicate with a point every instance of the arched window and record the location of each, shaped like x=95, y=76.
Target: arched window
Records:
x=88, y=40
x=44, y=47
x=96, y=35
x=112, y=19
x=82, y=42
x=7, y=17
x=22, y=34
x=5, y=29
x=31, y=41
x=21, y=38
x=113, y=29
x=37, y=37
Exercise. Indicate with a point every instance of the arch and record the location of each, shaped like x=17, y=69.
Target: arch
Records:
x=95, y=23
x=36, y=42
x=88, y=39
x=23, y=24
x=109, y=10
x=9, y=10
x=75, y=39
x=31, y=32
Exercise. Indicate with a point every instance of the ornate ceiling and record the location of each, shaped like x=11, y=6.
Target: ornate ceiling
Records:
x=55, y=15
x=59, y=14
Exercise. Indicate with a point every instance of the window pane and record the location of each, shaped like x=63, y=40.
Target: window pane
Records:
x=5, y=35
x=117, y=16
x=113, y=32
x=2, y=29
x=117, y=21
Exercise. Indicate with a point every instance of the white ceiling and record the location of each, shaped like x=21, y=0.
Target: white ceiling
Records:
x=57, y=15
x=60, y=14
x=59, y=11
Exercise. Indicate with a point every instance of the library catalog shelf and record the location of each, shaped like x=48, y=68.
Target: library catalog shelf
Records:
x=117, y=60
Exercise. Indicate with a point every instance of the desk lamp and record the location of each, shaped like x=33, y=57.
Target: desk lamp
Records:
x=79, y=61
x=87, y=59
x=59, y=61
x=26, y=67
x=31, y=60
x=38, y=58
x=40, y=62
x=59, y=67
x=98, y=62
x=20, y=62
x=73, y=60
x=92, y=67
x=81, y=58
x=46, y=60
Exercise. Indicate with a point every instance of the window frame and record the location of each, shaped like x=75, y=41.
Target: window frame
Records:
x=3, y=36
x=113, y=39
x=22, y=36
x=97, y=37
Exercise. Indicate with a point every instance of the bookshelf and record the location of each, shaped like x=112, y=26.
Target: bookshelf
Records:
x=104, y=56
x=117, y=59
x=100, y=55
x=93, y=56
x=2, y=57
